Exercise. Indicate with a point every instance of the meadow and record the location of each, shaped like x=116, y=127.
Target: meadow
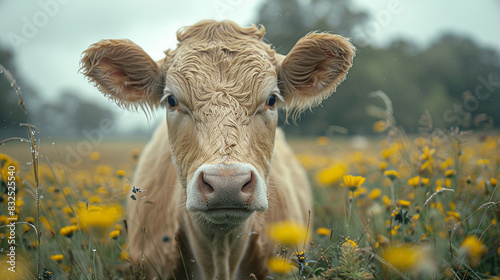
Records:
x=395, y=206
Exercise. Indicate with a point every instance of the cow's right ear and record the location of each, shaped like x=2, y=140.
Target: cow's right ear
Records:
x=124, y=73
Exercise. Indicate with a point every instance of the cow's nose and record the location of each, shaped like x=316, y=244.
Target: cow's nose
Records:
x=227, y=186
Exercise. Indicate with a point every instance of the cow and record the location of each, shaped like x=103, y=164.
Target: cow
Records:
x=218, y=171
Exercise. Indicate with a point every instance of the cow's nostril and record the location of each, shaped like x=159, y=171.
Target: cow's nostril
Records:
x=205, y=188
x=249, y=186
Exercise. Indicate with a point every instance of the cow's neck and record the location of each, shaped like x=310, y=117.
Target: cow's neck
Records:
x=216, y=254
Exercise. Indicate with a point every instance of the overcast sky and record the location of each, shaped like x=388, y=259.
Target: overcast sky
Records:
x=48, y=36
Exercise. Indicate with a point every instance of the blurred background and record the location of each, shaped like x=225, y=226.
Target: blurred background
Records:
x=435, y=60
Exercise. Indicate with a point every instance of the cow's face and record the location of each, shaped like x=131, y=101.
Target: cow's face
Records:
x=221, y=88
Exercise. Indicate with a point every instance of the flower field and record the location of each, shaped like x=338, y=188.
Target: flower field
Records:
x=424, y=207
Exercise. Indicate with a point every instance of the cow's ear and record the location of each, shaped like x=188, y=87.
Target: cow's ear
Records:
x=124, y=73
x=314, y=68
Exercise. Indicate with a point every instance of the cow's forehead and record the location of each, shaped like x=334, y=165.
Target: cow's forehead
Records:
x=245, y=70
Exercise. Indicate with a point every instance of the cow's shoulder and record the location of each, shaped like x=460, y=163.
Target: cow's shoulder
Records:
x=154, y=215
x=288, y=184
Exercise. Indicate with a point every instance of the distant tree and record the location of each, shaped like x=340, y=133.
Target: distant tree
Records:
x=71, y=115
x=439, y=79
x=11, y=114
x=286, y=21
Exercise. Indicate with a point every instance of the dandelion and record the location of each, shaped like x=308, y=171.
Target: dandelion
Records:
x=404, y=203
x=405, y=257
x=331, y=174
x=287, y=233
x=120, y=173
x=57, y=258
x=493, y=182
x=428, y=153
x=453, y=214
x=279, y=265
x=98, y=219
x=360, y=193
x=114, y=234
x=375, y=194
x=323, y=231
x=387, y=201
x=68, y=231
x=124, y=255
x=383, y=165
x=473, y=249
x=418, y=181
x=449, y=173
x=392, y=174
x=353, y=182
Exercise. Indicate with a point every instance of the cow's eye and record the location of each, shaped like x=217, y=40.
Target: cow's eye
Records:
x=172, y=101
x=271, y=100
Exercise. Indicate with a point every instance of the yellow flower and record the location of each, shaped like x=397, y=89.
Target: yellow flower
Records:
x=493, y=182
x=353, y=182
x=360, y=193
x=392, y=174
x=98, y=219
x=323, y=231
x=279, y=265
x=483, y=162
x=69, y=230
x=404, y=257
x=454, y=215
x=331, y=174
x=124, y=255
x=95, y=156
x=94, y=199
x=380, y=126
x=449, y=173
x=418, y=181
x=375, y=194
x=428, y=153
x=404, y=203
x=57, y=258
x=114, y=234
x=350, y=242
x=383, y=165
x=67, y=210
x=120, y=173
x=473, y=249
x=387, y=201
x=322, y=141
x=287, y=233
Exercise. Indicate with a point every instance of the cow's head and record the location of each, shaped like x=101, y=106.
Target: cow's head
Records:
x=221, y=87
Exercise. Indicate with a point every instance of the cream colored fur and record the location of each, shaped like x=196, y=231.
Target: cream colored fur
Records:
x=221, y=76
x=163, y=214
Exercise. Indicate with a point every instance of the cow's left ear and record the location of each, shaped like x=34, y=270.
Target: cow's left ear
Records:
x=124, y=73
x=314, y=68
